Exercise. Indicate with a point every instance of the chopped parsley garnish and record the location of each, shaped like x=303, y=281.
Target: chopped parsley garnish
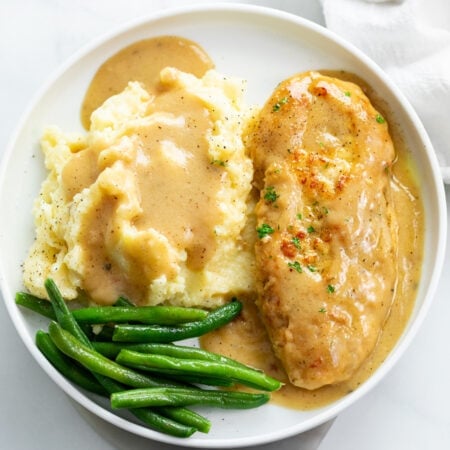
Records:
x=218, y=162
x=279, y=104
x=270, y=195
x=312, y=268
x=348, y=93
x=322, y=310
x=296, y=266
x=330, y=288
x=310, y=229
x=264, y=230
x=296, y=242
x=379, y=118
x=299, y=216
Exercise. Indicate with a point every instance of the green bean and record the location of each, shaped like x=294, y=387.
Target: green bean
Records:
x=163, y=414
x=172, y=366
x=43, y=307
x=184, y=416
x=203, y=379
x=161, y=422
x=162, y=315
x=167, y=424
x=112, y=349
x=74, y=373
x=36, y=304
x=96, y=362
x=67, y=322
x=187, y=421
x=106, y=331
x=164, y=334
x=122, y=311
x=62, y=312
x=109, y=369
x=84, y=379
x=138, y=398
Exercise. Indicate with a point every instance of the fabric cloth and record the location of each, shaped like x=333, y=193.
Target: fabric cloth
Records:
x=410, y=40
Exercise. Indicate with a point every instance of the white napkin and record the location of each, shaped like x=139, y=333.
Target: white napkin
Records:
x=410, y=40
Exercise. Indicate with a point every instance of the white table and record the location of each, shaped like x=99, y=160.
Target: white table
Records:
x=408, y=410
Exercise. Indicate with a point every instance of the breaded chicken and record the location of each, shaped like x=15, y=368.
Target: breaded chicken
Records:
x=327, y=248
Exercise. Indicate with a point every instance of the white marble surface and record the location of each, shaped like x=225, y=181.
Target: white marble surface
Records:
x=408, y=410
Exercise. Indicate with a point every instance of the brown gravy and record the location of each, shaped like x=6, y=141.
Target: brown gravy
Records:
x=171, y=168
x=143, y=61
x=246, y=340
x=193, y=184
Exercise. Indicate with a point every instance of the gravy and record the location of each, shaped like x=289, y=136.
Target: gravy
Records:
x=143, y=61
x=193, y=184
x=166, y=169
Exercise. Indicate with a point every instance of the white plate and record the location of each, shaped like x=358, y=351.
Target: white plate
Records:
x=263, y=46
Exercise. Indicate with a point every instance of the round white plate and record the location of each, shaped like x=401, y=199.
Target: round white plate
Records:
x=263, y=46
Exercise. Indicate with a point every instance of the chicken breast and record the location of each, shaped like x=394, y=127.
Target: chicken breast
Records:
x=327, y=248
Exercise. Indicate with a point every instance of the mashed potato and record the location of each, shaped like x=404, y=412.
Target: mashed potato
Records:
x=151, y=203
